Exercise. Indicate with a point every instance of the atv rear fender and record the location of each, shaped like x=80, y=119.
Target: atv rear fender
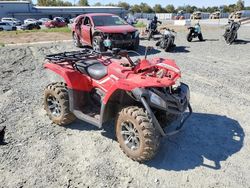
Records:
x=74, y=80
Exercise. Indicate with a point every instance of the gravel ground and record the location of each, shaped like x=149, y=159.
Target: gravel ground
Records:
x=212, y=151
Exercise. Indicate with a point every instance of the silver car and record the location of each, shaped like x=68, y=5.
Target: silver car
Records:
x=4, y=26
x=12, y=21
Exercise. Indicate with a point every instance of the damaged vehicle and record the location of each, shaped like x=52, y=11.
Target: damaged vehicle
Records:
x=143, y=96
x=104, y=31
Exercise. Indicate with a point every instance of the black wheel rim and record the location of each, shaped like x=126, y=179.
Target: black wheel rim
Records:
x=54, y=106
x=130, y=135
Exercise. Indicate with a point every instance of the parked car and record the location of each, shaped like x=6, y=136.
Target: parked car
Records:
x=42, y=21
x=72, y=20
x=235, y=15
x=215, y=15
x=30, y=26
x=180, y=15
x=56, y=22
x=104, y=31
x=5, y=26
x=30, y=20
x=196, y=15
x=12, y=21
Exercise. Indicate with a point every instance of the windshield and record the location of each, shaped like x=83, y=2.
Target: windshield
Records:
x=108, y=20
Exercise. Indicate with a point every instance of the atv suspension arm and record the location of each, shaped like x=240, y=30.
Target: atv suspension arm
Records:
x=157, y=124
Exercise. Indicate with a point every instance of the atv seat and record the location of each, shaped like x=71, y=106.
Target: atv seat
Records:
x=93, y=68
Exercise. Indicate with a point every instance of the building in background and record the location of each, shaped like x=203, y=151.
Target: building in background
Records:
x=24, y=9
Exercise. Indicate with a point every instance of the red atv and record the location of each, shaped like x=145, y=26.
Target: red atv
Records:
x=142, y=96
x=104, y=31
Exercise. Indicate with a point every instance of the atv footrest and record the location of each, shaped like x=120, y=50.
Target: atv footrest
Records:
x=80, y=115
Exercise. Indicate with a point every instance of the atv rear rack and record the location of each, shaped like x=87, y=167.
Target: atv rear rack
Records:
x=74, y=56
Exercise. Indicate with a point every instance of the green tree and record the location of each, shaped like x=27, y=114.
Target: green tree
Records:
x=97, y=4
x=158, y=8
x=83, y=3
x=170, y=9
x=240, y=5
x=124, y=5
x=232, y=7
x=53, y=3
x=146, y=8
x=135, y=9
x=111, y=4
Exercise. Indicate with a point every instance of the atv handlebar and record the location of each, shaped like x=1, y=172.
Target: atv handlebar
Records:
x=118, y=53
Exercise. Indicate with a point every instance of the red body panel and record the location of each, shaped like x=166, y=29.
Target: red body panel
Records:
x=74, y=79
x=54, y=23
x=120, y=77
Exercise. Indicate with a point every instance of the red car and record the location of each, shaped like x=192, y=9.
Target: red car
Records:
x=56, y=22
x=104, y=31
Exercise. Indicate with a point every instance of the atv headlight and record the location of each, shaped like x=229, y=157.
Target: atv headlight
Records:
x=177, y=84
x=156, y=100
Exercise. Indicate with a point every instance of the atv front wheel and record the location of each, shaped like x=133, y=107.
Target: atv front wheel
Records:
x=136, y=134
x=56, y=104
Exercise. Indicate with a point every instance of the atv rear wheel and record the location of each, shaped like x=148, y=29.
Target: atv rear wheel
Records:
x=56, y=104
x=98, y=45
x=136, y=134
x=76, y=40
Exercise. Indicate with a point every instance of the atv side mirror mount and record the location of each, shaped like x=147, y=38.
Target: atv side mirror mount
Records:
x=148, y=48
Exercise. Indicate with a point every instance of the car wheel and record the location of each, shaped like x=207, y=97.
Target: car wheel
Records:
x=76, y=40
x=1, y=29
x=97, y=44
x=137, y=43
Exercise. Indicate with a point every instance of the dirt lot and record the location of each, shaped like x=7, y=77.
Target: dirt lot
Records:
x=212, y=151
x=13, y=37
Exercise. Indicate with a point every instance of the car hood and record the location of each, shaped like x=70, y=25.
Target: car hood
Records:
x=116, y=29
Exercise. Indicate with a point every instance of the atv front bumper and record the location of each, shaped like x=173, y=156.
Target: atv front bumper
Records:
x=176, y=103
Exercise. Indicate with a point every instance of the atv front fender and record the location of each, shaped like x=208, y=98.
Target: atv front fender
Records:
x=142, y=95
x=74, y=80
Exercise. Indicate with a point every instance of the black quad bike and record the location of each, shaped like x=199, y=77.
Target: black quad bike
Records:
x=166, y=42
x=143, y=96
x=194, y=32
x=230, y=34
